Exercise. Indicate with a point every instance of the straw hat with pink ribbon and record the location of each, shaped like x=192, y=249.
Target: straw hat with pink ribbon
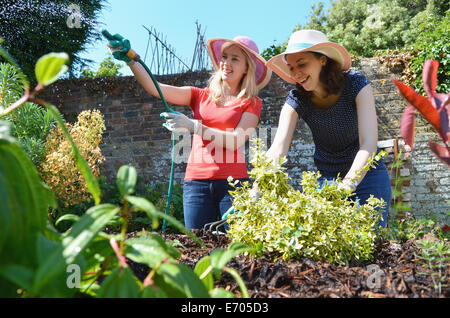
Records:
x=262, y=73
x=309, y=41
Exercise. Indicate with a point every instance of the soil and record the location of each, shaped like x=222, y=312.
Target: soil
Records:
x=394, y=272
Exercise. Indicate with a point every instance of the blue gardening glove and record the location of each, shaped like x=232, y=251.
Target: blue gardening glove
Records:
x=178, y=122
x=119, y=48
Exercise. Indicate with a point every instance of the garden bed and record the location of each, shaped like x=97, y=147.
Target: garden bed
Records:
x=394, y=271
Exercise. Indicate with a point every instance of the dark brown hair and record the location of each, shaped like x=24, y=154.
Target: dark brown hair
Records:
x=331, y=76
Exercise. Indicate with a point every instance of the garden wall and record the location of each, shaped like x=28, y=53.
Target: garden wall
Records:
x=135, y=136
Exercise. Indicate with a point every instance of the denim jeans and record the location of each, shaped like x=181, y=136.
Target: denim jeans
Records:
x=205, y=201
x=376, y=182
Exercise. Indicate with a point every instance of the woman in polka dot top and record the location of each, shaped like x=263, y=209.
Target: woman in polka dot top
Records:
x=339, y=108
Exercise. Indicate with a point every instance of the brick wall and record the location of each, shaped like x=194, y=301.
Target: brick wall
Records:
x=135, y=136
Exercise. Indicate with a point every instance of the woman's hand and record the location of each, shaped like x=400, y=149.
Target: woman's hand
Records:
x=178, y=122
x=119, y=48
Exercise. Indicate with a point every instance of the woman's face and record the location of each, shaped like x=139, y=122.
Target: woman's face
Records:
x=305, y=68
x=233, y=65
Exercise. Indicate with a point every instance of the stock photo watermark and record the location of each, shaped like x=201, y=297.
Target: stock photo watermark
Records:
x=74, y=18
x=376, y=276
x=223, y=152
x=73, y=276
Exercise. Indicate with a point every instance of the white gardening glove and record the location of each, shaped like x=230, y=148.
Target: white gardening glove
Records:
x=348, y=185
x=178, y=122
x=254, y=193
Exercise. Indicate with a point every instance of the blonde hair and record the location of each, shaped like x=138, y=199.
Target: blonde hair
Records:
x=248, y=88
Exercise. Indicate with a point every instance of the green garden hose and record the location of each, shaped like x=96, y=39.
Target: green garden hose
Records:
x=134, y=56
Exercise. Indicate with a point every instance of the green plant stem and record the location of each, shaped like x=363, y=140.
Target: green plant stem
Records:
x=125, y=213
x=148, y=281
x=102, y=270
x=235, y=274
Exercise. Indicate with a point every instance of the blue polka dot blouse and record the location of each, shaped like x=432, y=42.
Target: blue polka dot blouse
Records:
x=335, y=129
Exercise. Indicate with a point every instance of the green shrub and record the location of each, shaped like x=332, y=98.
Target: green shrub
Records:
x=322, y=224
x=433, y=43
x=31, y=123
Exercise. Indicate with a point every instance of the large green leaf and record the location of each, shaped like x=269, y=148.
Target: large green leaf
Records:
x=146, y=206
x=150, y=250
x=203, y=269
x=126, y=180
x=50, y=67
x=23, y=205
x=220, y=257
x=183, y=279
x=81, y=234
x=121, y=283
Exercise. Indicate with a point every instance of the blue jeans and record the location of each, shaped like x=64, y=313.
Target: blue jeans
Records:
x=376, y=182
x=205, y=201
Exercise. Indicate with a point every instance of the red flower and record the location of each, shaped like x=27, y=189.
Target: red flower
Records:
x=446, y=228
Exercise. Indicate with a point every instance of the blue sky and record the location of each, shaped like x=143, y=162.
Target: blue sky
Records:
x=265, y=21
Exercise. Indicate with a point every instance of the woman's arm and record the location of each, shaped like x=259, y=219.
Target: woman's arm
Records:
x=368, y=133
x=235, y=138
x=172, y=94
x=285, y=131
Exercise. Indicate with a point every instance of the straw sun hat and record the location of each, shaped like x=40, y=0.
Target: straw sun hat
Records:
x=248, y=45
x=309, y=41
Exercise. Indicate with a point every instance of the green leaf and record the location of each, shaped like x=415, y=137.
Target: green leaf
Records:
x=153, y=292
x=91, y=182
x=146, y=206
x=220, y=257
x=87, y=228
x=121, y=283
x=81, y=234
x=67, y=217
x=23, y=205
x=20, y=275
x=183, y=279
x=203, y=269
x=50, y=67
x=221, y=293
x=150, y=250
x=126, y=180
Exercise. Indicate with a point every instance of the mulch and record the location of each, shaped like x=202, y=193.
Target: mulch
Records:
x=394, y=272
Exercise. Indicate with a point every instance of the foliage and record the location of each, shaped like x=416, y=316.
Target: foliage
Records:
x=157, y=194
x=435, y=255
x=435, y=109
x=410, y=227
x=35, y=28
x=107, y=68
x=366, y=26
x=31, y=123
x=11, y=84
x=433, y=44
x=59, y=170
x=398, y=62
x=37, y=261
x=396, y=204
x=322, y=224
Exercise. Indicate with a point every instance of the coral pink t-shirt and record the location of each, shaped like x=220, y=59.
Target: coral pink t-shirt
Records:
x=206, y=160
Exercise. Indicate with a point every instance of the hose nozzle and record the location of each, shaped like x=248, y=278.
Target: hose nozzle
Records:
x=131, y=53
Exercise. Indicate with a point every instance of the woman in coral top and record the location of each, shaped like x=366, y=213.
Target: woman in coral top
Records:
x=225, y=114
